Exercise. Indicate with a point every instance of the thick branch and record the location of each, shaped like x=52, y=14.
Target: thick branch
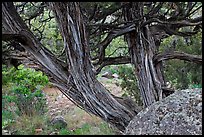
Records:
x=17, y=29
x=180, y=33
x=113, y=61
x=158, y=58
x=178, y=55
x=6, y=36
x=192, y=22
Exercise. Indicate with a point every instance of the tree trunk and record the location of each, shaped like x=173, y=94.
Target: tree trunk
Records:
x=76, y=79
x=142, y=49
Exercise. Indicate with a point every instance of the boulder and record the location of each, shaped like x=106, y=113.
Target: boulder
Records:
x=59, y=122
x=178, y=114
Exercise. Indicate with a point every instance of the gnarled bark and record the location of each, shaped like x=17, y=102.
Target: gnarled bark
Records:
x=75, y=76
x=77, y=81
x=142, y=48
x=178, y=55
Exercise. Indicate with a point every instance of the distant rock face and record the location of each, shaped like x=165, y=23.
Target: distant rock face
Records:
x=177, y=114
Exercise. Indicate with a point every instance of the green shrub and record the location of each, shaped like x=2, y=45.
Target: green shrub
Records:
x=7, y=74
x=129, y=83
x=29, y=102
x=7, y=111
x=182, y=74
x=64, y=132
x=113, y=69
x=195, y=86
x=26, y=92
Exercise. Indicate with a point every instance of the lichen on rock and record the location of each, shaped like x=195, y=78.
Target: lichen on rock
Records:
x=177, y=114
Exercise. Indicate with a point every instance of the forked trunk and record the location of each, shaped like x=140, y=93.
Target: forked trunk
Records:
x=77, y=79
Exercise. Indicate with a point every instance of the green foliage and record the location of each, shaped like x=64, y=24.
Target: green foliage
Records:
x=182, y=74
x=8, y=116
x=64, y=132
x=7, y=74
x=26, y=92
x=87, y=129
x=129, y=83
x=23, y=106
x=29, y=102
x=112, y=70
x=196, y=86
x=105, y=129
x=83, y=130
x=117, y=47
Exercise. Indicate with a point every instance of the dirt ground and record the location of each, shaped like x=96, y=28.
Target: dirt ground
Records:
x=58, y=104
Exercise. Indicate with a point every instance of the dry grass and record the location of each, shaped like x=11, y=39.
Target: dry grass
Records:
x=25, y=125
x=79, y=122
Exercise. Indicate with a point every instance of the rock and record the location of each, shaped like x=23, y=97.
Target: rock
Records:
x=58, y=98
x=6, y=132
x=38, y=130
x=54, y=133
x=107, y=75
x=115, y=76
x=178, y=114
x=59, y=122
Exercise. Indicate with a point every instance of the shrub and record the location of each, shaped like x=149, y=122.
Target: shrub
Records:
x=29, y=102
x=7, y=111
x=7, y=74
x=129, y=83
x=64, y=132
x=27, y=89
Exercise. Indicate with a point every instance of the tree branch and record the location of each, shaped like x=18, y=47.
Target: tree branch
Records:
x=178, y=55
x=113, y=61
x=156, y=9
x=195, y=10
x=179, y=33
x=113, y=34
x=109, y=11
x=36, y=13
x=17, y=29
x=192, y=22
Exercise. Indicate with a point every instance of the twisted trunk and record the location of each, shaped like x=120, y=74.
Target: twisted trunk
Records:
x=75, y=77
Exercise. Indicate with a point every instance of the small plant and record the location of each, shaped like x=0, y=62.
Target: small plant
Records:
x=29, y=102
x=8, y=110
x=83, y=130
x=129, y=83
x=105, y=129
x=195, y=86
x=7, y=74
x=64, y=132
x=26, y=125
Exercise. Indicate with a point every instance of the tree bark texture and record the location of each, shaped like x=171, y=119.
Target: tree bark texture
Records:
x=77, y=79
x=142, y=49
